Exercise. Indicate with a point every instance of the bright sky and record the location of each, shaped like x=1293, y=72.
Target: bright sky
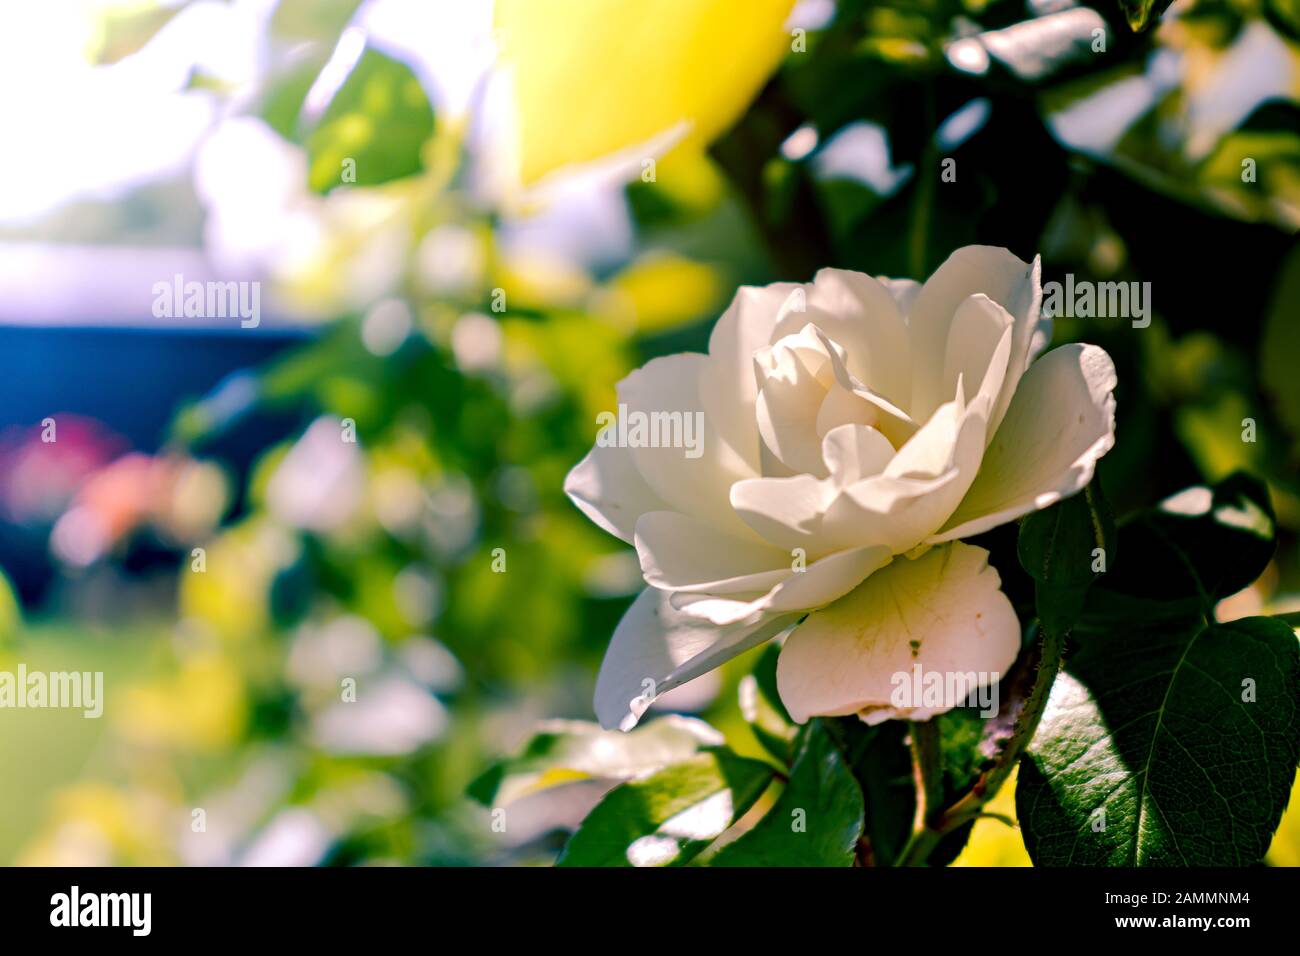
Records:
x=82, y=131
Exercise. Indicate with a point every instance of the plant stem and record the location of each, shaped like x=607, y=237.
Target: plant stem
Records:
x=1051, y=652
x=927, y=773
x=918, y=240
x=932, y=822
x=927, y=769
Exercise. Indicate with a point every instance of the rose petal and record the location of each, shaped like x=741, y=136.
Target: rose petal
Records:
x=789, y=512
x=728, y=390
x=890, y=512
x=975, y=340
x=784, y=511
x=841, y=407
x=1061, y=421
x=695, y=486
x=973, y=270
x=676, y=556
x=923, y=484
x=919, y=488
x=818, y=584
x=609, y=490
x=859, y=313
x=883, y=415
x=854, y=452
x=656, y=648
x=903, y=291
x=793, y=375
x=944, y=611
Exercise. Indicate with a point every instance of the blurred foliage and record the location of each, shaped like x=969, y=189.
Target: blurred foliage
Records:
x=374, y=127
x=470, y=373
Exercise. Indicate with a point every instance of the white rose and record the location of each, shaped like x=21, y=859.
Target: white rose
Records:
x=854, y=429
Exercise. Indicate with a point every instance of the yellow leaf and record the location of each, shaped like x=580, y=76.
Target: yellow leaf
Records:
x=593, y=78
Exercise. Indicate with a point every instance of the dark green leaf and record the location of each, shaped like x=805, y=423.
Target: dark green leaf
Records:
x=1063, y=548
x=761, y=705
x=1171, y=745
x=882, y=764
x=1179, y=560
x=1058, y=545
x=817, y=819
x=670, y=816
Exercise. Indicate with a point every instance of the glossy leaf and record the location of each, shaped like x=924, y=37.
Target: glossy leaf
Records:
x=882, y=765
x=1180, y=559
x=1057, y=544
x=1165, y=746
x=666, y=819
x=817, y=819
x=1064, y=548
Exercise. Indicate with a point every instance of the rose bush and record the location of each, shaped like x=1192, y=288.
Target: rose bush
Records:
x=855, y=430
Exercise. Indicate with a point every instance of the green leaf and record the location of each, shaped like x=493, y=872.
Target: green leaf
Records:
x=1179, y=560
x=375, y=126
x=882, y=764
x=760, y=703
x=1060, y=547
x=1057, y=545
x=667, y=818
x=568, y=751
x=817, y=819
x=1171, y=744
